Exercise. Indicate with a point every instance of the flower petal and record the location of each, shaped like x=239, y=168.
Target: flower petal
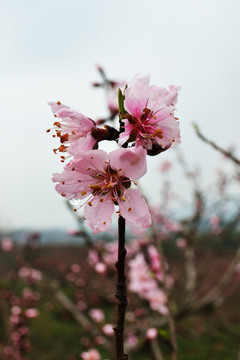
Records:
x=99, y=214
x=132, y=161
x=135, y=209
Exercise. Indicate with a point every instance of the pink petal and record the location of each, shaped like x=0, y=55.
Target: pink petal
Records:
x=135, y=209
x=55, y=106
x=83, y=144
x=91, y=161
x=132, y=161
x=99, y=215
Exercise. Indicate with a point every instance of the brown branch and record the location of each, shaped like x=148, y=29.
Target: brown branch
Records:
x=156, y=350
x=78, y=316
x=191, y=272
x=215, y=146
x=121, y=294
x=214, y=294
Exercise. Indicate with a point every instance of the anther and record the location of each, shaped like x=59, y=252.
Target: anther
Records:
x=89, y=203
x=104, y=223
x=129, y=209
x=73, y=168
x=63, y=194
x=101, y=200
x=73, y=132
x=123, y=198
x=58, y=102
x=83, y=193
x=74, y=209
x=158, y=133
x=57, y=123
x=48, y=130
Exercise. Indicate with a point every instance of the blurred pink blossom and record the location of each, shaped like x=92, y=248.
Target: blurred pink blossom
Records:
x=151, y=333
x=181, y=242
x=108, y=329
x=97, y=315
x=75, y=268
x=143, y=283
x=165, y=166
x=30, y=274
x=91, y=355
x=31, y=313
x=112, y=95
x=100, y=268
x=7, y=244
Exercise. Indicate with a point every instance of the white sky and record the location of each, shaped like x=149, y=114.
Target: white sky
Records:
x=49, y=50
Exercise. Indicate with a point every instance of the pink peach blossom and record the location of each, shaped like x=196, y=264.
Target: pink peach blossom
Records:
x=102, y=180
x=97, y=315
x=31, y=313
x=151, y=333
x=143, y=283
x=90, y=355
x=108, y=329
x=7, y=244
x=73, y=129
x=100, y=268
x=150, y=114
x=112, y=95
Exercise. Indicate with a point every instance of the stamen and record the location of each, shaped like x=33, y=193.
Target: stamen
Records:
x=74, y=209
x=48, y=130
x=63, y=194
x=158, y=133
x=89, y=203
x=57, y=123
x=129, y=209
x=123, y=198
x=83, y=193
x=58, y=102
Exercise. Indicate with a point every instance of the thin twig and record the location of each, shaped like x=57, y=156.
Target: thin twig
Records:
x=156, y=350
x=215, y=146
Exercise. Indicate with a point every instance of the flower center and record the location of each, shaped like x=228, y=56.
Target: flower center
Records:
x=111, y=182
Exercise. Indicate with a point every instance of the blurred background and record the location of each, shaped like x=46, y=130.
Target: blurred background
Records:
x=185, y=269
x=49, y=52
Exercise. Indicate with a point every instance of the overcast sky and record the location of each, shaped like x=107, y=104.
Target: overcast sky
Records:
x=49, y=51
